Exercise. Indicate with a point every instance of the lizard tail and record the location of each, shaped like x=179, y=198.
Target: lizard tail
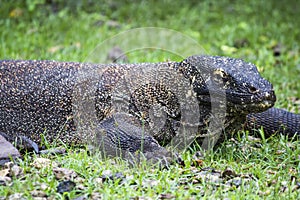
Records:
x=275, y=120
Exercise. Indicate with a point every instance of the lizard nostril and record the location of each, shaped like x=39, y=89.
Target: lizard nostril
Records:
x=270, y=95
x=253, y=90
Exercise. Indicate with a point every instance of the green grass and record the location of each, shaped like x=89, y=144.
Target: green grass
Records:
x=241, y=29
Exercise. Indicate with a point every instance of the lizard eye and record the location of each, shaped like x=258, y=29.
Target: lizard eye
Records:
x=220, y=76
x=253, y=89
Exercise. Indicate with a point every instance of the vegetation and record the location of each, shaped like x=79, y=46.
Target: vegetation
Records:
x=263, y=32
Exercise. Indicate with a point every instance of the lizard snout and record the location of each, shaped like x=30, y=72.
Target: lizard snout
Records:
x=269, y=96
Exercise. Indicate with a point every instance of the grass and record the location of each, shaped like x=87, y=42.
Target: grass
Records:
x=249, y=30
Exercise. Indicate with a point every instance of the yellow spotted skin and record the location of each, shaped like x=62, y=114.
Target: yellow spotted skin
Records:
x=37, y=99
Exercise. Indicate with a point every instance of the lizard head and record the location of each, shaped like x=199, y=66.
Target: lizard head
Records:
x=211, y=76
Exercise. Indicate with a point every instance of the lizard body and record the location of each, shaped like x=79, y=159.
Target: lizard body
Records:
x=37, y=98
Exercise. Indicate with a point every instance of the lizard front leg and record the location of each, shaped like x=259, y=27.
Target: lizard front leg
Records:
x=121, y=135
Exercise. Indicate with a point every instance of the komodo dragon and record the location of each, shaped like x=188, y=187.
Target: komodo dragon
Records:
x=37, y=98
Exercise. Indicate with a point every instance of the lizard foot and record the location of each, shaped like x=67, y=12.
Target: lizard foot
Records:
x=120, y=135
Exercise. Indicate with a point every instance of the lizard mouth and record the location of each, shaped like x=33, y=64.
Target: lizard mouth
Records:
x=253, y=103
x=250, y=107
x=238, y=102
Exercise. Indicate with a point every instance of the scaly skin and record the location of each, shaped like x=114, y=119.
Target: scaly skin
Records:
x=37, y=98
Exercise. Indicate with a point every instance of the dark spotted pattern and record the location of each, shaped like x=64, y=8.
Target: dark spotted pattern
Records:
x=246, y=91
x=36, y=99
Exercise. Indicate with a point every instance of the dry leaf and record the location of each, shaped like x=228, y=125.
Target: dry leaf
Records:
x=40, y=163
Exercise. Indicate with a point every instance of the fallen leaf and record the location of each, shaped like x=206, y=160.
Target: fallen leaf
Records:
x=167, y=196
x=40, y=163
x=228, y=173
x=4, y=181
x=64, y=173
x=16, y=171
x=4, y=172
x=38, y=193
